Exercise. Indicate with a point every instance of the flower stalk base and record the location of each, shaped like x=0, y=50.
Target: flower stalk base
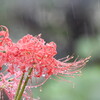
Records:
x=20, y=92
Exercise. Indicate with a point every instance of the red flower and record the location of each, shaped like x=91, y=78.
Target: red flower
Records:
x=33, y=52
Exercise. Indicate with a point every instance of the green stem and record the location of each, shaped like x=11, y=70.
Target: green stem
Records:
x=19, y=86
x=3, y=51
x=24, y=85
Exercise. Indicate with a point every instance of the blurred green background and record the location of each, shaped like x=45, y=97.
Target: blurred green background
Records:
x=74, y=25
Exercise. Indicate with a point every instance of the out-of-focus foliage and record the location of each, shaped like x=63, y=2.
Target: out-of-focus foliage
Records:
x=89, y=46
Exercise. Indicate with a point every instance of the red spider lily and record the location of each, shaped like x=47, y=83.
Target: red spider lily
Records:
x=33, y=52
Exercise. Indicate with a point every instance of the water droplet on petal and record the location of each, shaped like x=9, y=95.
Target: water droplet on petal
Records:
x=40, y=89
x=35, y=86
x=73, y=85
x=43, y=75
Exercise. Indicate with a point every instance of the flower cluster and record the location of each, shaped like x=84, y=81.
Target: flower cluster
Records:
x=32, y=52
